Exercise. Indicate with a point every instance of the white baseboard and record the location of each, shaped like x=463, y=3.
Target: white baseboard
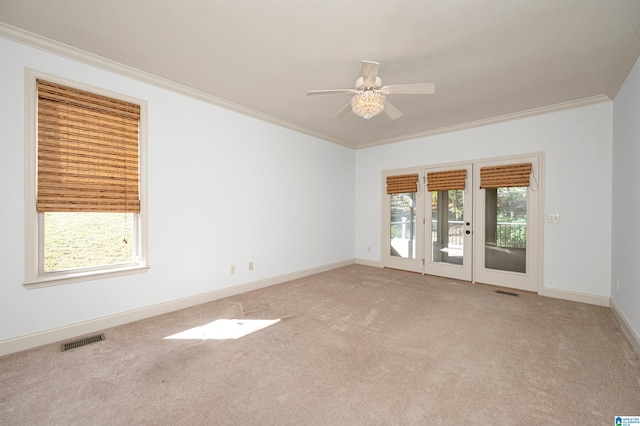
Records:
x=575, y=296
x=368, y=262
x=71, y=331
x=626, y=327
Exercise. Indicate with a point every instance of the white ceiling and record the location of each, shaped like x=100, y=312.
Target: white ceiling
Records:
x=490, y=59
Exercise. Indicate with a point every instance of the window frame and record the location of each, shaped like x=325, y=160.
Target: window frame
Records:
x=35, y=276
x=388, y=261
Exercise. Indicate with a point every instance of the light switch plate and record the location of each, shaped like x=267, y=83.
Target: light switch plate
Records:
x=553, y=218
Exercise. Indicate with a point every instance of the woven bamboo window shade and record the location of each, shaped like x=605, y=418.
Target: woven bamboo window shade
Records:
x=446, y=181
x=401, y=184
x=505, y=176
x=87, y=151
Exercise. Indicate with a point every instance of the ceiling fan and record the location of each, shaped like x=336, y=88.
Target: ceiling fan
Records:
x=369, y=96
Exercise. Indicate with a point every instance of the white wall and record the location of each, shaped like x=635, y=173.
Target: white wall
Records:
x=626, y=202
x=577, y=147
x=223, y=189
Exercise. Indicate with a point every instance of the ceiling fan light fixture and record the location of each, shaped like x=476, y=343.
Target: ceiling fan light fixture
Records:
x=368, y=103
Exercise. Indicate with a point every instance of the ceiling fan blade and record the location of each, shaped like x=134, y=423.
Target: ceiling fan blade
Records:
x=332, y=92
x=391, y=110
x=369, y=73
x=343, y=112
x=409, y=89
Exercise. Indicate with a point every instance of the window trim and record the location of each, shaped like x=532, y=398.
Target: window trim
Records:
x=388, y=261
x=34, y=277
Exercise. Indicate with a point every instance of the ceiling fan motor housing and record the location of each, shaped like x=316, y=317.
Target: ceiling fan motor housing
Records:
x=360, y=83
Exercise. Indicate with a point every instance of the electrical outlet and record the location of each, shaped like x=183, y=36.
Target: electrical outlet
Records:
x=553, y=218
x=251, y=266
x=369, y=249
x=232, y=269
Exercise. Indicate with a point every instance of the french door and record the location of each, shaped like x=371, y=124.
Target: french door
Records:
x=507, y=205
x=449, y=214
x=403, y=219
x=475, y=222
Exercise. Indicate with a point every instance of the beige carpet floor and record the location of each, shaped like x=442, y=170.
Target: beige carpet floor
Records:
x=356, y=346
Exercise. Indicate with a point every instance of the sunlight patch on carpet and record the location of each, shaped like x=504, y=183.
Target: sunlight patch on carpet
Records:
x=223, y=329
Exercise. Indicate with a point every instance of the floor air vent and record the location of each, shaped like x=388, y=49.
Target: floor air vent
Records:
x=508, y=293
x=82, y=342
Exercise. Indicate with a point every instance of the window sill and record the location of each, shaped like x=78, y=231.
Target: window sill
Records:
x=58, y=278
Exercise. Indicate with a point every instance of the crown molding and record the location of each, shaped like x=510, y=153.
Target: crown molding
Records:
x=592, y=100
x=42, y=43
x=626, y=65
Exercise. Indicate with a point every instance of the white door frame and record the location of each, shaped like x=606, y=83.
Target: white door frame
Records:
x=462, y=272
x=532, y=280
x=389, y=261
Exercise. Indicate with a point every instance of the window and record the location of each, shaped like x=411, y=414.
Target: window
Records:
x=506, y=215
x=402, y=192
x=85, y=183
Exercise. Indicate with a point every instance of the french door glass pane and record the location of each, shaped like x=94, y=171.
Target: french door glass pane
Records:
x=403, y=225
x=447, y=226
x=506, y=229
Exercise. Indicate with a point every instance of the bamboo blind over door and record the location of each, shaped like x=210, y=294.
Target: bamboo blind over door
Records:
x=505, y=176
x=447, y=180
x=401, y=184
x=87, y=151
